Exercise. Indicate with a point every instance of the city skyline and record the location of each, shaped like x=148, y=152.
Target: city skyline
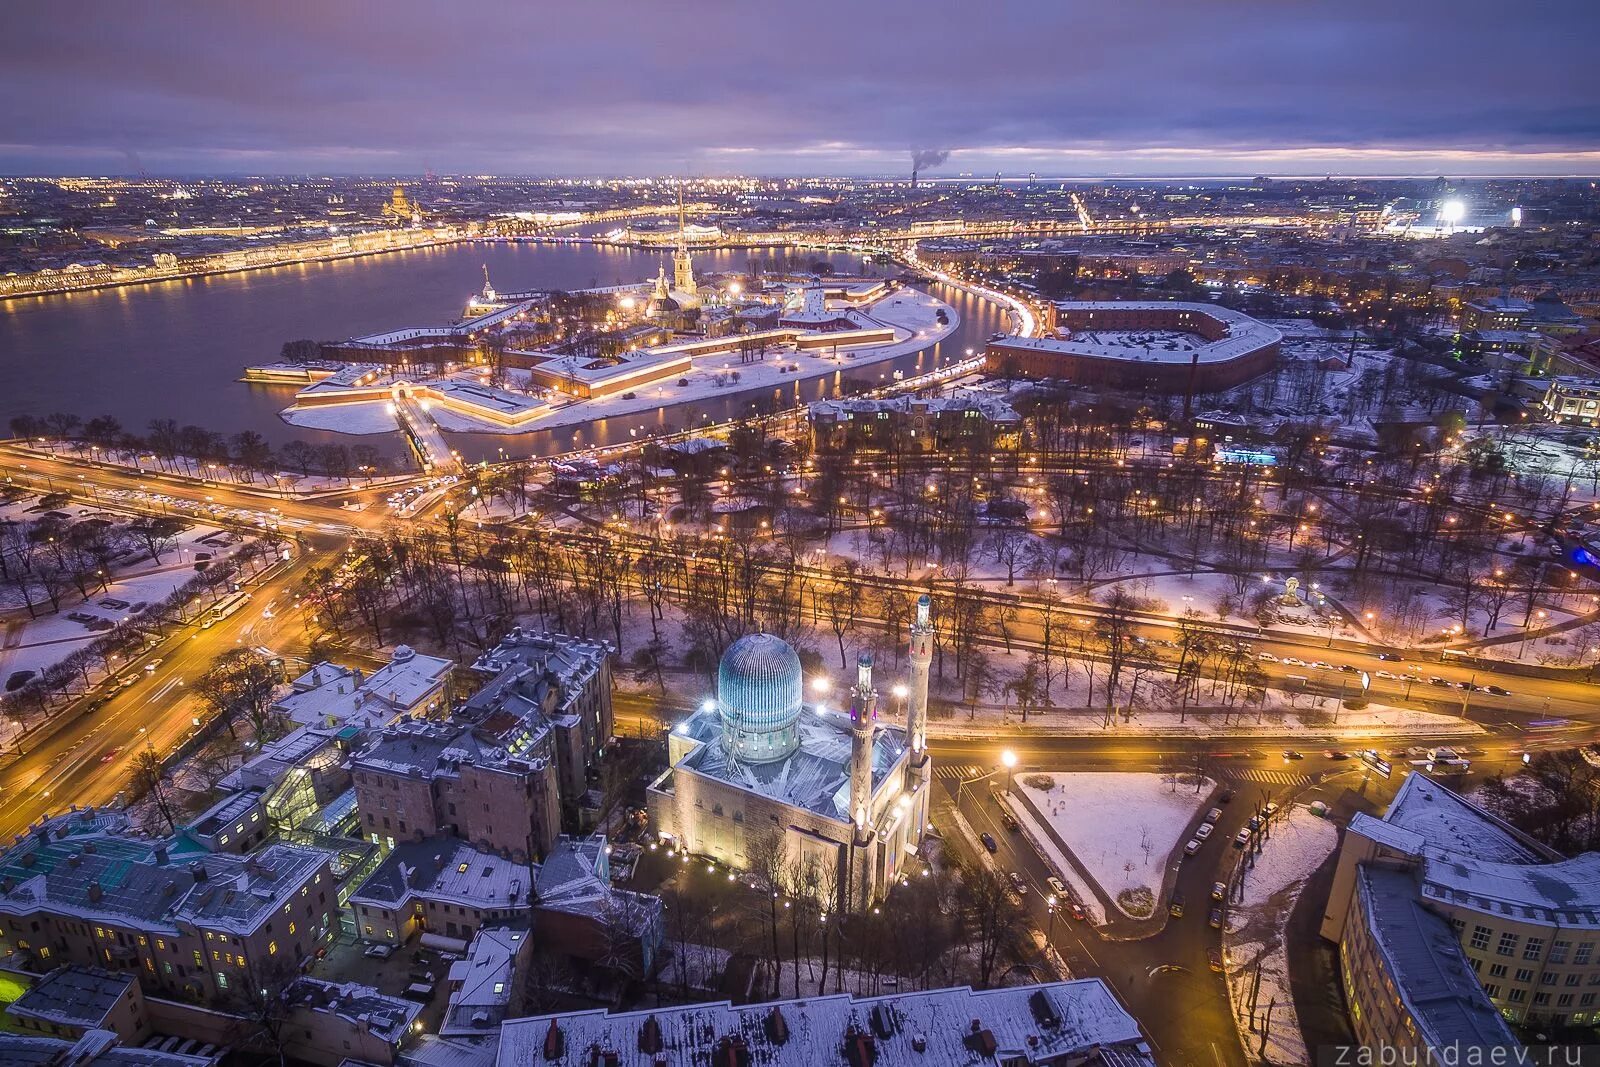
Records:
x=1363, y=89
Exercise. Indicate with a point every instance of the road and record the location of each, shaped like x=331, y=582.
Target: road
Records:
x=86, y=759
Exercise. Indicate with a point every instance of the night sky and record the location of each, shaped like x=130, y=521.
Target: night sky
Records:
x=1156, y=87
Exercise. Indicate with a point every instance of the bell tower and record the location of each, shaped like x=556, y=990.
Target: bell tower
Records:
x=682, y=266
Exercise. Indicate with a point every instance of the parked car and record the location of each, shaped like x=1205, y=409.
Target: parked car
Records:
x=1214, y=958
x=1175, y=906
x=1192, y=847
x=988, y=842
x=1203, y=831
x=1213, y=815
x=1391, y=657
x=1270, y=808
x=1219, y=890
x=380, y=951
x=1078, y=913
x=1009, y=822
x=1056, y=886
x=1242, y=838
x=1215, y=918
x=1225, y=797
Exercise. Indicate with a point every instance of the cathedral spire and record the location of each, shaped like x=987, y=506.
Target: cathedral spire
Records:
x=682, y=266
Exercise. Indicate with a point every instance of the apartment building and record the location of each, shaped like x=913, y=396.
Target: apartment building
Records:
x=82, y=889
x=1525, y=919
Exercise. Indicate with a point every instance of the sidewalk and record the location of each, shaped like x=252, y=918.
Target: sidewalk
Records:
x=1378, y=721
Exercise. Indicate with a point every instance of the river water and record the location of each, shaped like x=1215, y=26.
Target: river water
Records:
x=177, y=349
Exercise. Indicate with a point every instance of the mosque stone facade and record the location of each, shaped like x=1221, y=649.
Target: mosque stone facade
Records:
x=845, y=794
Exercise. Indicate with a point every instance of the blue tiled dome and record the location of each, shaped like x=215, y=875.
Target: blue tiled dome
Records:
x=759, y=690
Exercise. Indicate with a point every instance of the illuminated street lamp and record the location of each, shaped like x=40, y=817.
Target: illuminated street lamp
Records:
x=1008, y=759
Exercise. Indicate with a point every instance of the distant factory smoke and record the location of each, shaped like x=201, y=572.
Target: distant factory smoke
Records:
x=924, y=158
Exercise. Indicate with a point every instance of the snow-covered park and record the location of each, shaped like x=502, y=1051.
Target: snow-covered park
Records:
x=1121, y=827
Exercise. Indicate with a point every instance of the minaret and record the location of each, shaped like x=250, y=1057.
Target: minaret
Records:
x=682, y=265
x=920, y=767
x=863, y=720
x=921, y=660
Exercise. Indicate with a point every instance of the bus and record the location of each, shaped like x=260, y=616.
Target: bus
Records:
x=223, y=609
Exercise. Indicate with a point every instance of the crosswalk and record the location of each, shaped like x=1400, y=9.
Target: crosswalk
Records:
x=1268, y=777
x=965, y=770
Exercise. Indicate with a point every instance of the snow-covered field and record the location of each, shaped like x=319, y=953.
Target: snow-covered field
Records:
x=1299, y=844
x=362, y=418
x=1081, y=890
x=1122, y=827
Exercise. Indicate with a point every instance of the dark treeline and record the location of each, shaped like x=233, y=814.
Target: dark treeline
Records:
x=198, y=452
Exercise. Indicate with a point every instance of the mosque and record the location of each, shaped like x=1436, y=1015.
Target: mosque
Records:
x=846, y=795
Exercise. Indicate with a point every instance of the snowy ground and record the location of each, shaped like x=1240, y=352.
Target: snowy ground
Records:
x=1299, y=844
x=1079, y=888
x=1121, y=827
x=360, y=418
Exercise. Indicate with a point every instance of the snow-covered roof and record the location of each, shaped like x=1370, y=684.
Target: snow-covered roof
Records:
x=815, y=777
x=150, y=883
x=1033, y=1024
x=1562, y=894
x=300, y=747
x=448, y=870
x=1245, y=335
x=1430, y=973
x=333, y=695
x=73, y=996
x=1449, y=823
x=528, y=666
x=96, y=1048
x=360, y=1006
x=483, y=983
x=424, y=750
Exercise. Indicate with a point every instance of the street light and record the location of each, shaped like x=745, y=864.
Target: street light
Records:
x=1008, y=759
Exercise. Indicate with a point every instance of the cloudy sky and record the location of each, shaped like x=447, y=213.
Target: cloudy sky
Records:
x=1059, y=87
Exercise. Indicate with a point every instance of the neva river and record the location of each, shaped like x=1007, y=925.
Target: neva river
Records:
x=177, y=349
